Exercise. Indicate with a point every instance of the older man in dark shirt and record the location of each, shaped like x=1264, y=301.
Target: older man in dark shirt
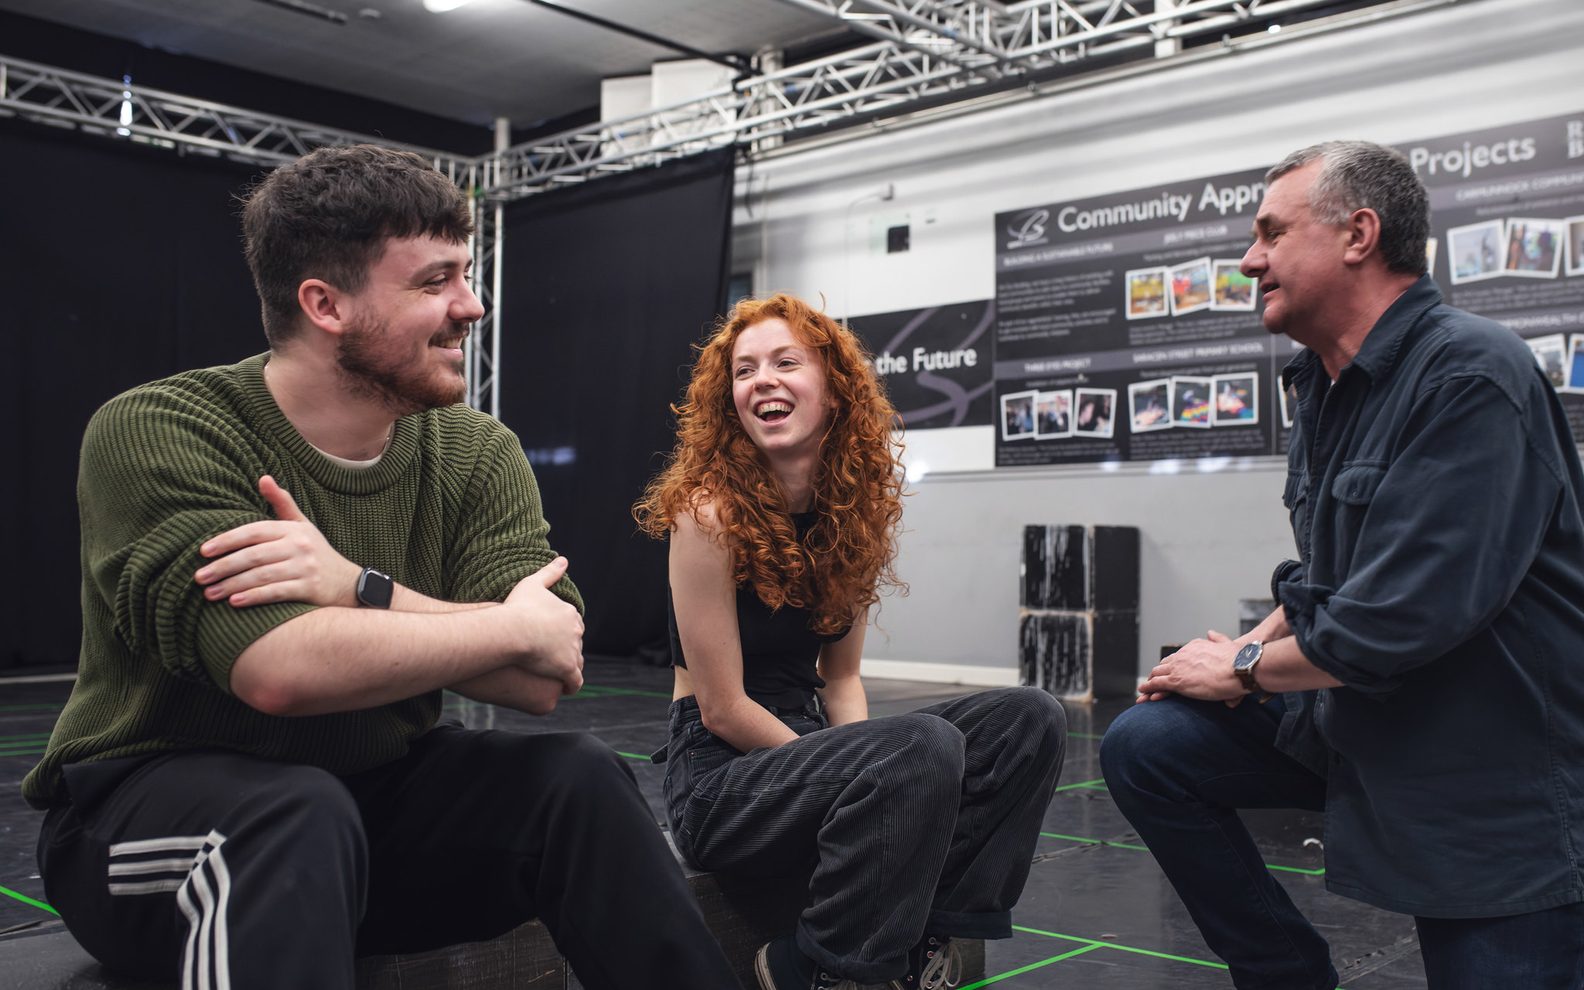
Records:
x=1429, y=640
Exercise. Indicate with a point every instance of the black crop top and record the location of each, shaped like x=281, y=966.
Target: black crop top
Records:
x=779, y=649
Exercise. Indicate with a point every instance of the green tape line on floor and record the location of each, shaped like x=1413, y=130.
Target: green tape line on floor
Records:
x=1098, y=943
x=596, y=691
x=1094, y=842
x=25, y=899
x=1031, y=966
x=1129, y=845
x=1098, y=784
x=25, y=737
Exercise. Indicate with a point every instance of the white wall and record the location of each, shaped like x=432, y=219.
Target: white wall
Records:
x=812, y=223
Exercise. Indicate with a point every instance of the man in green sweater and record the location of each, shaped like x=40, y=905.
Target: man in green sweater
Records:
x=284, y=562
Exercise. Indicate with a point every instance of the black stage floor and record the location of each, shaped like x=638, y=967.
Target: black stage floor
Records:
x=1097, y=913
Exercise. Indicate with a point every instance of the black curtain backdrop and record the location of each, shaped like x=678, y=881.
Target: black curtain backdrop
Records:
x=122, y=265
x=606, y=287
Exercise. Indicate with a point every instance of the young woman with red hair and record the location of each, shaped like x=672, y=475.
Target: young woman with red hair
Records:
x=781, y=503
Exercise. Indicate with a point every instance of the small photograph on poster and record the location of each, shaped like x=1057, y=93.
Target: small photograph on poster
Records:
x=1190, y=286
x=1475, y=252
x=1287, y=402
x=1191, y=402
x=1430, y=255
x=1017, y=416
x=1146, y=293
x=1551, y=353
x=1096, y=412
x=1053, y=415
x=1534, y=247
x=1576, y=363
x=1575, y=243
x=1151, y=405
x=1233, y=289
x=1236, y=399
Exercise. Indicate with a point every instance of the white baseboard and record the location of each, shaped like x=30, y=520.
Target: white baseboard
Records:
x=939, y=673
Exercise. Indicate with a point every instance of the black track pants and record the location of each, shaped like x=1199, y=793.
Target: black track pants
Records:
x=225, y=871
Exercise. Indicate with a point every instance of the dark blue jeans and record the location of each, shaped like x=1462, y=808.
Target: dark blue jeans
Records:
x=1180, y=769
x=1539, y=951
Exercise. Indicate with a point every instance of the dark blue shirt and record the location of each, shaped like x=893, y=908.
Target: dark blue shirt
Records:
x=1434, y=491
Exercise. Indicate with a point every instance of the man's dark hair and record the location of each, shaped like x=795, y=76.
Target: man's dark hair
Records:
x=1357, y=175
x=329, y=214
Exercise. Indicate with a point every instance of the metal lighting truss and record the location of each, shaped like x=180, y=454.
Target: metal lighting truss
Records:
x=483, y=343
x=151, y=116
x=929, y=52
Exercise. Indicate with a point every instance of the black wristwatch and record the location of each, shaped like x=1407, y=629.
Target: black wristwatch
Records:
x=1244, y=663
x=374, y=589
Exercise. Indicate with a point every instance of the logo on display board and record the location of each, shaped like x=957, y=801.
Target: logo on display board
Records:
x=1028, y=229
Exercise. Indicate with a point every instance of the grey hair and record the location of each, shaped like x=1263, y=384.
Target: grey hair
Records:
x=1357, y=175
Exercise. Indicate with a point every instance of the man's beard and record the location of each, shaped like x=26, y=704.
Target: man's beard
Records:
x=403, y=385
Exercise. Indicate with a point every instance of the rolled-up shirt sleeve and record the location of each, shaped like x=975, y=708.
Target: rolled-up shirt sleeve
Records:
x=1433, y=543
x=1286, y=571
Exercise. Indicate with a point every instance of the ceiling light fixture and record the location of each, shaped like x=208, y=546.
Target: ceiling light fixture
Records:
x=441, y=6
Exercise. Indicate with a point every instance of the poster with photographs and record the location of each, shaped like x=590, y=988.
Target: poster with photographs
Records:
x=1236, y=401
x=1146, y=293
x=1476, y=251
x=1134, y=302
x=1233, y=289
x=1576, y=363
x=1191, y=402
x=1507, y=205
x=1096, y=411
x=1053, y=415
x=1550, y=353
x=1150, y=403
x=1575, y=246
x=1017, y=416
x=1129, y=311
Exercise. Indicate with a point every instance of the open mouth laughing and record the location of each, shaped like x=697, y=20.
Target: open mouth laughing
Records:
x=773, y=410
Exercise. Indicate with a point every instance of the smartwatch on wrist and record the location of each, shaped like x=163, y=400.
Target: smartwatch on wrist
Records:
x=1243, y=666
x=374, y=589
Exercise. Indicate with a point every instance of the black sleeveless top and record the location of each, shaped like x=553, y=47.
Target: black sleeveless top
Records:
x=779, y=649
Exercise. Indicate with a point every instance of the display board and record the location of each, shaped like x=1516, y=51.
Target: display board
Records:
x=935, y=362
x=1125, y=331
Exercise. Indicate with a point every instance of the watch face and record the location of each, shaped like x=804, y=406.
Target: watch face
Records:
x=1247, y=656
x=374, y=589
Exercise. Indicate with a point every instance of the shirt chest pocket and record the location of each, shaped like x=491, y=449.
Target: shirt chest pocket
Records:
x=1357, y=483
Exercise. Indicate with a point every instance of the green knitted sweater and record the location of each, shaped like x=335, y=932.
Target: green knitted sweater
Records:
x=451, y=510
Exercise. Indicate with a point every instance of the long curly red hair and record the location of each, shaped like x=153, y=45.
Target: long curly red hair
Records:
x=837, y=570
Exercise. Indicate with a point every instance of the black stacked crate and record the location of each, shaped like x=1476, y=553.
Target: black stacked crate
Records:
x=1078, y=611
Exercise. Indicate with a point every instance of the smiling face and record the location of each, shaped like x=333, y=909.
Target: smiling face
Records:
x=1296, y=259
x=403, y=344
x=779, y=390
